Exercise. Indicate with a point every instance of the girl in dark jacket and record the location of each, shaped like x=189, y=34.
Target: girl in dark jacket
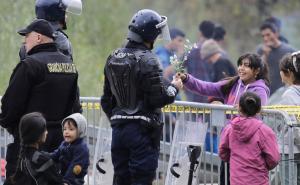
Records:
x=34, y=167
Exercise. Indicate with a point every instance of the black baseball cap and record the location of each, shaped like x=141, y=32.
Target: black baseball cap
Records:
x=40, y=26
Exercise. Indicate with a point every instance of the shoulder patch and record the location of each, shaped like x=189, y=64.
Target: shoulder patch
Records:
x=61, y=68
x=77, y=169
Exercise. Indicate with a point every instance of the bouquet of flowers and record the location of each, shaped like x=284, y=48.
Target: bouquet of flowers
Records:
x=178, y=62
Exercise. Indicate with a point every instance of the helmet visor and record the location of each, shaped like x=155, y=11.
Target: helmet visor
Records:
x=73, y=6
x=163, y=26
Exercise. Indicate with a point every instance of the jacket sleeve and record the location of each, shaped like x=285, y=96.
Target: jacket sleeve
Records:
x=107, y=100
x=16, y=95
x=47, y=170
x=55, y=155
x=270, y=148
x=263, y=94
x=157, y=92
x=52, y=175
x=204, y=88
x=224, y=150
x=78, y=166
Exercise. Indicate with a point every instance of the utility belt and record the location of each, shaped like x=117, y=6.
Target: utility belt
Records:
x=148, y=122
x=130, y=117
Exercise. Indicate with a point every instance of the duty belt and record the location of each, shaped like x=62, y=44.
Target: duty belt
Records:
x=130, y=117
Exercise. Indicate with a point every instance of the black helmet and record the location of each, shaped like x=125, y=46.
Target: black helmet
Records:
x=55, y=10
x=146, y=25
x=31, y=127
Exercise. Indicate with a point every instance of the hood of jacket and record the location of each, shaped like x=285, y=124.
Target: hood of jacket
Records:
x=81, y=122
x=245, y=127
x=239, y=88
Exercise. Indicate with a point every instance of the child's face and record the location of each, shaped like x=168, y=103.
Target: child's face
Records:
x=70, y=131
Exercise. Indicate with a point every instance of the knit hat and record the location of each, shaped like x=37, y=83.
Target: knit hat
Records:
x=80, y=121
x=31, y=127
x=207, y=28
x=209, y=48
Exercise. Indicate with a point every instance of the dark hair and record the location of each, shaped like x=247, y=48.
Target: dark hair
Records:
x=207, y=28
x=219, y=33
x=70, y=120
x=286, y=65
x=174, y=32
x=249, y=104
x=268, y=25
x=255, y=63
x=275, y=21
x=31, y=128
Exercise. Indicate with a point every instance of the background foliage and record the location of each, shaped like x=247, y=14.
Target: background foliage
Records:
x=103, y=27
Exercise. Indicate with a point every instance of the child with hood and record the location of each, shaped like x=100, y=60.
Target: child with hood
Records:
x=249, y=145
x=73, y=153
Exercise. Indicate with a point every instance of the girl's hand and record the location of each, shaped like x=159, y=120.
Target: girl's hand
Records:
x=181, y=76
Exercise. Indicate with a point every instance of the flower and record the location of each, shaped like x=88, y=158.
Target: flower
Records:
x=178, y=62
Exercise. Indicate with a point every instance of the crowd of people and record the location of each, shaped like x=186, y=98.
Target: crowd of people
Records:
x=49, y=129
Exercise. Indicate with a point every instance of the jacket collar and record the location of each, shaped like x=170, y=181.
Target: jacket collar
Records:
x=50, y=47
x=135, y=45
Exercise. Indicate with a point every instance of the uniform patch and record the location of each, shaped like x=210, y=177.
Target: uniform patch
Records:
x=61, y=68
x=77, y=169
x=171, y=91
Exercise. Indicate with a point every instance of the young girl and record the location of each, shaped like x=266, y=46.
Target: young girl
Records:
x=252, y=76
x=34, y=167
x=290, y=75
x=249, y=145
x=73, y=153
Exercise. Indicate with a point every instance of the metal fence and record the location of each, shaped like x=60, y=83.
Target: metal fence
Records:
x=216, y=117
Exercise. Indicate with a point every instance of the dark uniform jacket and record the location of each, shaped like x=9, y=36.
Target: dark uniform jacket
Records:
x=37, y=168
x=45, y=81
x=74, y=161
x=151, y=90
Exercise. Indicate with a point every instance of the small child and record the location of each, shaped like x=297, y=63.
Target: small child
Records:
x=73, y=153
x=34, y=167
x=249, y=145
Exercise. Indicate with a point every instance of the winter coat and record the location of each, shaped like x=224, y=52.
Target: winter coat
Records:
x=74, y=157
x=252, y=150
x=214, y=89
x=74, y=161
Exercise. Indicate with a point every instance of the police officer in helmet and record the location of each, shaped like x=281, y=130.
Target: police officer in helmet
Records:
x=134, y=94
x=54, y=11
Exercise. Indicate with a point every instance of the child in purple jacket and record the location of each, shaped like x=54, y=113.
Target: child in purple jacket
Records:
x=249, y=145
x=252, y=76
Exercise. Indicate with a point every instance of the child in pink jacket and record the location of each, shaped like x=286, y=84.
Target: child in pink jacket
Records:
x=249, y=145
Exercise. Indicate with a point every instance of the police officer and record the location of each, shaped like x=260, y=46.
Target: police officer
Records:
x=54, y=11
x=45, y=81
x=133, y=95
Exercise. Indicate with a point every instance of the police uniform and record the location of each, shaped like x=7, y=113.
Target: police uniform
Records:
x=133, y=95
x=45, y=81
